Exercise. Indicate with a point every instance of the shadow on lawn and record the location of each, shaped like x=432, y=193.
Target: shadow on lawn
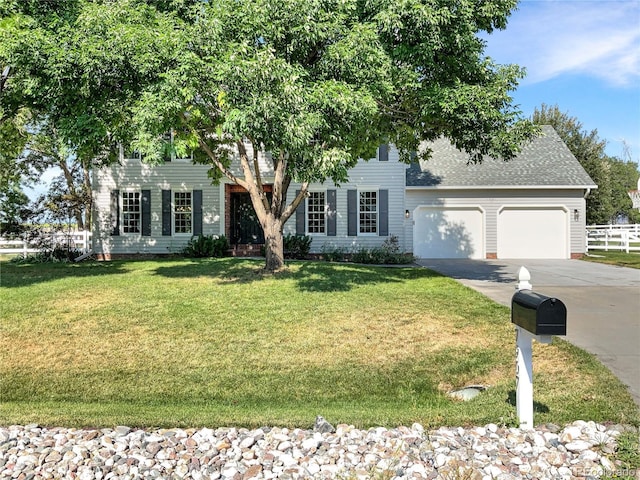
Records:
x=22, y=275
x=537, y=406
x=310, y=276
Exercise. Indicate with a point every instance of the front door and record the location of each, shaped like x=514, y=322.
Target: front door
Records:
x=245, y=227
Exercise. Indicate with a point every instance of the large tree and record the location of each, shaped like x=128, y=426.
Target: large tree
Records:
x=613, y=176
x=317, y=84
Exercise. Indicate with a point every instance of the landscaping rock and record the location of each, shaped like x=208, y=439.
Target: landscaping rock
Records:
x=278, y=453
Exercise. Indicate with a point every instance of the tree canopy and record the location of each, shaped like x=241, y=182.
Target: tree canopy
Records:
x=318, y=84
x=614, y=177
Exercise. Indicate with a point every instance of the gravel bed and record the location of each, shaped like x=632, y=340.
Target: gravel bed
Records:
x=579, y=450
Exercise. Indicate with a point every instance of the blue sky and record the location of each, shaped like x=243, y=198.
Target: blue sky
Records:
x=582, y=55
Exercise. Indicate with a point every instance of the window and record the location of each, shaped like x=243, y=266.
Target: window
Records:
x=131, y=212
x=316, y=212
x=368, y=212
x=182, y=210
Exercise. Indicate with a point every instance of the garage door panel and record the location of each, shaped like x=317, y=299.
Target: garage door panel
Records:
x=533, y=232
x=448, y=232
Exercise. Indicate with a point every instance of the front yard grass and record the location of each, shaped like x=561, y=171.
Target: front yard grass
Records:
x=213, y=342
x=621, y=259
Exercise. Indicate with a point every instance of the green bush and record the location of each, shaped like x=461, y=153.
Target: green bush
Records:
x=206, y=246
x=387, y=254
x=297, y=246
x=333, y=254
x=56, y=255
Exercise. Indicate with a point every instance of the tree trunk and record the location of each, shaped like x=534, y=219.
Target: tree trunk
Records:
x=274, y=245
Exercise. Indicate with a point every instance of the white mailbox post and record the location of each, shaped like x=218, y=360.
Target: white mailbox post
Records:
x=538, y=318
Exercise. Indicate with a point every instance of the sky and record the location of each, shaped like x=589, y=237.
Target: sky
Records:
x=582, y=55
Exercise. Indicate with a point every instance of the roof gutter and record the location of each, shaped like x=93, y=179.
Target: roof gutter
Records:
x=503, y=187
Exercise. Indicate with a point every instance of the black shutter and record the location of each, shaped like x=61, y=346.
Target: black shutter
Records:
x=115, y=212
x=146, y=213
x=197, y=212
x=352, y=213
x=300, y=214
x=331, y=214
x=383, y=153
x=383, y=213
x=166, y=212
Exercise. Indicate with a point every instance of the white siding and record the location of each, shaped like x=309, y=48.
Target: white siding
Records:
x=366, y=175
x=133, y=175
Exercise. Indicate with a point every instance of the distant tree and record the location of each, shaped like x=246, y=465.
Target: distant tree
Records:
x=317, y=84
x=624, y=178
x=46, y=149
x=613, y=176
x=14, y=211
x=589, y=150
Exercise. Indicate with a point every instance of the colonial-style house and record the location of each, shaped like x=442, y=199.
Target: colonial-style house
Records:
x=530, y=207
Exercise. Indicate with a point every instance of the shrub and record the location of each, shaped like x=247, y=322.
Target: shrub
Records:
x=52, y=255
x=297, y=246
x=206, y=246
x=333, y=254
x=389, y=253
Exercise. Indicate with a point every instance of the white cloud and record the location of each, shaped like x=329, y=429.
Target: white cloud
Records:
x=550, y=38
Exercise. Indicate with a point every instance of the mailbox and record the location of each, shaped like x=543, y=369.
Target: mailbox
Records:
x=539, y=314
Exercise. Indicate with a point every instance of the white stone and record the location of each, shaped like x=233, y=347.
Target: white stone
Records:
x=589, y=455
x=313, y=468
x=570, y=433
x=247, y=442
x=578, y=446
x=607, y=464
x=288, y=460
x=525, y=468
x=229, y=471
x=440, y=460
x=493, y=471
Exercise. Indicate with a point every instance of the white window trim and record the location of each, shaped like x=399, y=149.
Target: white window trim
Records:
x=174, y=212
x=121, y=213
x=377, y=191
x=306, y=215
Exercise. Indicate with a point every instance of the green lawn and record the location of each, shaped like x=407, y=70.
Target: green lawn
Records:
x=215, y=343
x=622, y=259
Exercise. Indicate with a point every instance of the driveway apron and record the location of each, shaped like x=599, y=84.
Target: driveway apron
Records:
x=603, y=302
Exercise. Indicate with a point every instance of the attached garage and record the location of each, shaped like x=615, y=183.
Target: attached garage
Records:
x=448, y=232
x=533, y=232
x=532, y=206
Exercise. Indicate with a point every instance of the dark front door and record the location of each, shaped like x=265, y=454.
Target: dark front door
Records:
x=245, y=227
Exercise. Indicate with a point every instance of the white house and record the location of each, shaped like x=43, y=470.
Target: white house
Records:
x=530, y=207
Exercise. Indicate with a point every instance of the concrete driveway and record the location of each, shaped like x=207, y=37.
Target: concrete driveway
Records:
x=603, y=302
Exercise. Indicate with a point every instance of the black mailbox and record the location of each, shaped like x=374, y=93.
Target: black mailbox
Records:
x=539, y=314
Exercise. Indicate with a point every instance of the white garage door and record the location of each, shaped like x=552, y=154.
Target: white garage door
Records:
x=440, y=232
x=540, y=232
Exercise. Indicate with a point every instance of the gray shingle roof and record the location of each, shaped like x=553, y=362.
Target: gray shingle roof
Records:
x=545, y=162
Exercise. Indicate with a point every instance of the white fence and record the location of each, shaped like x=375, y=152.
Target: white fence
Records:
x=76, y=240
x=614, y=237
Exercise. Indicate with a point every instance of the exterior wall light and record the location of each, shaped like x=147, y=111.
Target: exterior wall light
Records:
x=576, y=214
x=406, y=214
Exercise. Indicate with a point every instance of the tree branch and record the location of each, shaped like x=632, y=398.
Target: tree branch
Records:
x=296, y=202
